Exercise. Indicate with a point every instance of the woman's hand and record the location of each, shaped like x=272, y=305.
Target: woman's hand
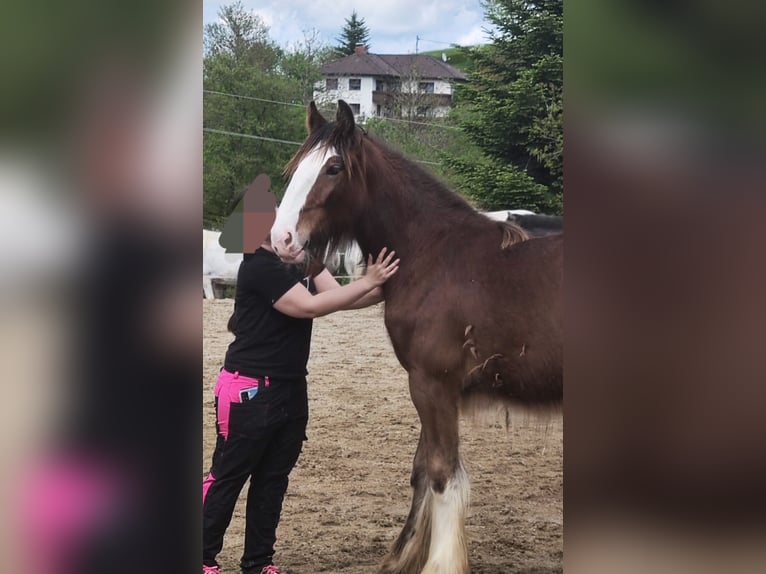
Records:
x=382, y=269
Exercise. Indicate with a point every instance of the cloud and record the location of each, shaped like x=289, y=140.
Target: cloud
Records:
x=393, y=24
x=476, y=35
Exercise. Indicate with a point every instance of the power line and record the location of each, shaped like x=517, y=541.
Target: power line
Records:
x=301, y=106
x=418, y=40
x=253, y=98
x=436, y=41
x=237, y=134
x=419, y=123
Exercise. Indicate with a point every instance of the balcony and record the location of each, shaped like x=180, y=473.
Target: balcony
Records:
x=392, y=98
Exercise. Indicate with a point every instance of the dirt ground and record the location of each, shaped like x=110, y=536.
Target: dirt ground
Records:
x=349, y=494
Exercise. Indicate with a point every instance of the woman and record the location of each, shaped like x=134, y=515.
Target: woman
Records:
x=261, y=396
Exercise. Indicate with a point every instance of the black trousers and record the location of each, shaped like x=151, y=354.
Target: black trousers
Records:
x=264, y=440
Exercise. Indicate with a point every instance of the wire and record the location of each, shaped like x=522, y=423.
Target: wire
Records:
x=253, y=98
x=419, y=123
x=436, y=41
x=301, y=106
x=236, y=134
x=227, y=133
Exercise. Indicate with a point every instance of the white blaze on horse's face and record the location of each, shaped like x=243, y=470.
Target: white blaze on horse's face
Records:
x=284, y=234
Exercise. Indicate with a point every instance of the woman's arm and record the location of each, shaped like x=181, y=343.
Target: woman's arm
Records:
x=325, y=282
x=371, y=298
x=299, y=302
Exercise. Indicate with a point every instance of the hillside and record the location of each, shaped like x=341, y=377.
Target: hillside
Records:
x=455, y=58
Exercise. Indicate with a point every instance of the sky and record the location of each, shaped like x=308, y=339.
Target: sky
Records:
x=394, y=24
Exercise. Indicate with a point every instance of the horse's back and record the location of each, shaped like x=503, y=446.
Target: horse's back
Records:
x=524, y=275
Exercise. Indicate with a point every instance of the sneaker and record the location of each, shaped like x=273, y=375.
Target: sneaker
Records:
x=270, y=569
x=210, y=570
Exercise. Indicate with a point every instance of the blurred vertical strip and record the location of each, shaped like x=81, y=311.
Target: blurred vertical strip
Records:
x=665, y=469
x=100, y=339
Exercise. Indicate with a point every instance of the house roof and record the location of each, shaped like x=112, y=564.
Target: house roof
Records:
x=366, y=64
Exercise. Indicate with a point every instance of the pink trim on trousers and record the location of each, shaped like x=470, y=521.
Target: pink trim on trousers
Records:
x=227, y=390
x=206, y=484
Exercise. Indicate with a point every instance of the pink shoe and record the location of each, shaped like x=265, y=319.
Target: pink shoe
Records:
x=210, y=570
x=270, y=569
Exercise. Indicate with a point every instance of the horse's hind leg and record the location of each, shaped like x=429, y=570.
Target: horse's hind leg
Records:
x=410, y=551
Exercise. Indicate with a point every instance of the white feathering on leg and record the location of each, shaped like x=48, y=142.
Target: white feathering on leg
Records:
x=449, y=552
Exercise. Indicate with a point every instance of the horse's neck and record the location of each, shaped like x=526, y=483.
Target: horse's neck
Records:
x=399, y=222
x=381, y=231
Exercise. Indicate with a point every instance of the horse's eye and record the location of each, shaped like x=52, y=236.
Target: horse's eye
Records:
x=334, y=169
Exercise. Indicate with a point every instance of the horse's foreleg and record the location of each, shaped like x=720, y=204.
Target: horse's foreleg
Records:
x=446, y=490
x=449, y=552
x=410, y=551
x=449, y=491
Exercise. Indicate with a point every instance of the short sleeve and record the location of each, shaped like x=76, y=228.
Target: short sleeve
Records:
x=267, y=276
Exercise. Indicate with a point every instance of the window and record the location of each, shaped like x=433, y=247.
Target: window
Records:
x=331, y=83
x=423, y=111
x=426, y=87
x=355, y=109
x=354, y=83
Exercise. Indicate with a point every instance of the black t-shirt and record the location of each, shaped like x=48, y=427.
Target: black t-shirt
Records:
x=267, y=342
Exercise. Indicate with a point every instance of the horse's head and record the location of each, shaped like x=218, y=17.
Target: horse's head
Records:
x=318, y=207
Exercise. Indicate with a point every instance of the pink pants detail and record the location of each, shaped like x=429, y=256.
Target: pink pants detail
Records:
x=206, y=485
x=227, y=391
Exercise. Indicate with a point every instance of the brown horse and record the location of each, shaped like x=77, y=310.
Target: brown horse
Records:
x=474, y=313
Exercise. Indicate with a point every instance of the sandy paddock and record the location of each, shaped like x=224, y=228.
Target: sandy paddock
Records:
x=350, y=494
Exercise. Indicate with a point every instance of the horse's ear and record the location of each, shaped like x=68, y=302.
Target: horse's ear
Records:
x=344, y=120
x=314, y=120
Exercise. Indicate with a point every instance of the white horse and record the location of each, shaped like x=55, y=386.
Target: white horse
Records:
x=216, y=263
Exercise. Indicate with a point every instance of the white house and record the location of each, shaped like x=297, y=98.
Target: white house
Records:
x=411, y=85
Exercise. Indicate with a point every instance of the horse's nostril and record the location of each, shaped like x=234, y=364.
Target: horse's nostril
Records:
x=289, y=238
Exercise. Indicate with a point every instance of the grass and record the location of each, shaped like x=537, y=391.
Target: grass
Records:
x=455, y=58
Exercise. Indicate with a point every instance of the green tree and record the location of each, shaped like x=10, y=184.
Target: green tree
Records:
x=512, y=109
x=354, y=32
x=242, y=37
x=245, y=93
x=302, y=63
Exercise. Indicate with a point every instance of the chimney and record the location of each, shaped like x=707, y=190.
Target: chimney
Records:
x=360, y=49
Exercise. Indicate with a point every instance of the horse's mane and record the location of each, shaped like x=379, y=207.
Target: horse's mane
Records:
x=325, y=137
x=363, y=153
x=400, y=172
